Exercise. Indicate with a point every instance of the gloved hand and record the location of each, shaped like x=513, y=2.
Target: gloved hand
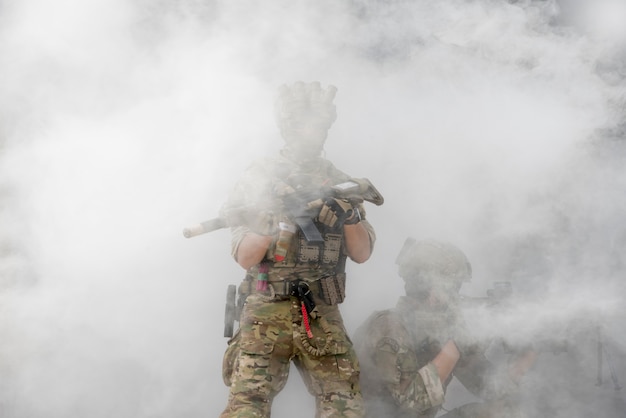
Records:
x=335, y=212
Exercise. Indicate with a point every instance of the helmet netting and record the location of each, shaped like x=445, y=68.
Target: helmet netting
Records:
x=305, y=103
x=434, y=263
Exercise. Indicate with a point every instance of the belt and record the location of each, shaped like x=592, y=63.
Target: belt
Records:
x=280, y=288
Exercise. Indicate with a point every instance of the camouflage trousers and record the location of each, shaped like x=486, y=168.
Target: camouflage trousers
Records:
x=271, y=336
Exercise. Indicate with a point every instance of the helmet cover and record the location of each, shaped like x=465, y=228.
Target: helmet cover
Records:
x=433, y=263
x=304, y=114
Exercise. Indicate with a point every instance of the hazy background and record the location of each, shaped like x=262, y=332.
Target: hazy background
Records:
x=497, y=125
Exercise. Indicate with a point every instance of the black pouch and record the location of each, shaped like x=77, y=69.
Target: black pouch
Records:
x=333, y=288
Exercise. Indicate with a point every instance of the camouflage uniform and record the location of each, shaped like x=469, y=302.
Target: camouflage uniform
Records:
x=272, y=327
x=398, y=379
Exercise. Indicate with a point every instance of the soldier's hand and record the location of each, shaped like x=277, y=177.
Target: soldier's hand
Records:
x=335, y=212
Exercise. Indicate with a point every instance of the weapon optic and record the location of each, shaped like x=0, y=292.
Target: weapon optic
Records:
x=500, y=292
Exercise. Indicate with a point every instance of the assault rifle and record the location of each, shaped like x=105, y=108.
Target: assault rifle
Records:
x=302, y=203
x=499, y=297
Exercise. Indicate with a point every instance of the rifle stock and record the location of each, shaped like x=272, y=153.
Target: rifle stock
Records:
x=205, y=227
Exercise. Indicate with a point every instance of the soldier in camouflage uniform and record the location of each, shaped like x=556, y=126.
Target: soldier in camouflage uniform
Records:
x=409, y=354
x=292, y=286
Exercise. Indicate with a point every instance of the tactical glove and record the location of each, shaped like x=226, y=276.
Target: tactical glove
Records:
x=430, y=347
x=336, y=212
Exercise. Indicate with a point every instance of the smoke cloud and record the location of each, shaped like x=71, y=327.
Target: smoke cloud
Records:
x=496, y=125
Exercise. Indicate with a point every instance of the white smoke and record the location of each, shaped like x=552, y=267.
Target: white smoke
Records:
x=495, y=125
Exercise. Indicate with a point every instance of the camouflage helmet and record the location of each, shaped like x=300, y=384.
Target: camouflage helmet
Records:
x=304, y=114
x=433, y=263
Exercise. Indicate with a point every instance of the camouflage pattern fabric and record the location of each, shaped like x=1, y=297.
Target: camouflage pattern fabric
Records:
x=395, y=348
x=258, y=357
x=257, y=360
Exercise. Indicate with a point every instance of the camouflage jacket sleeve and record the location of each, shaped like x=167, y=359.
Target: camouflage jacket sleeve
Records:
x=390, y=365
x=251, y=190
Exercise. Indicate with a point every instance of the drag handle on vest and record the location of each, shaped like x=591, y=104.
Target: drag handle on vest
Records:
x=302, y=291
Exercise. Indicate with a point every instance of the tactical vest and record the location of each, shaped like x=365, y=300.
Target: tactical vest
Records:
x=322, y=258
x=319, y=257
x=322, y=264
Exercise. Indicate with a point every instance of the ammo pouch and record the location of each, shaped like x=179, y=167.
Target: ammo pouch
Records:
x=333, y=288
